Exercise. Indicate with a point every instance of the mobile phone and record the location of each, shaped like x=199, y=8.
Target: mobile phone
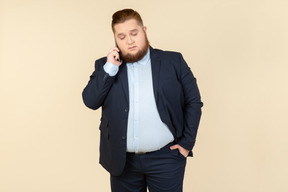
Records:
x=119, y=54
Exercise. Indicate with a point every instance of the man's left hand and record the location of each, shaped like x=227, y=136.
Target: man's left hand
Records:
x=182, y=150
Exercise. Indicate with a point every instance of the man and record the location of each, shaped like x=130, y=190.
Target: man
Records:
x=151, y=109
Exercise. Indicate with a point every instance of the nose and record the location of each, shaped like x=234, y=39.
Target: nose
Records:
x=130, y=40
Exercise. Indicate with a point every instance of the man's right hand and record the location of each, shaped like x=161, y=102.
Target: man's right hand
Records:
x=114, y=57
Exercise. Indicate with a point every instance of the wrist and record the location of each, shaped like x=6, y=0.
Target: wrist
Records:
x=110, y=68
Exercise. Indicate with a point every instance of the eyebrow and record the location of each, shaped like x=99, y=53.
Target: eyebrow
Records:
x=131, y=31
x=134, y=30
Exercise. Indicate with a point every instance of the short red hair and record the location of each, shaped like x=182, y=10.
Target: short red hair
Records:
x=124, y=15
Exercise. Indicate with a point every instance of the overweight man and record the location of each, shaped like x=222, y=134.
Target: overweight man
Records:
x=151, y=108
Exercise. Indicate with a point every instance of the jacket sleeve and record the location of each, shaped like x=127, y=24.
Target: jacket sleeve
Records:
x=98, y=86
x=192, y=106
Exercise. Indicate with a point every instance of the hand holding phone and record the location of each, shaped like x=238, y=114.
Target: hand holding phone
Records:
x=114, y=56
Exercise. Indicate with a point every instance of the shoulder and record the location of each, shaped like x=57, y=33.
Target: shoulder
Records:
x=172, y=57
x=101, y=60
x=164, y=53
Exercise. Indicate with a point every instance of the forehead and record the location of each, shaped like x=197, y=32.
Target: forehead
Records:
x=127, y=26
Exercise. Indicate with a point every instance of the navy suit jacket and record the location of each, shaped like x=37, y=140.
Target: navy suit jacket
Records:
x=177, y=98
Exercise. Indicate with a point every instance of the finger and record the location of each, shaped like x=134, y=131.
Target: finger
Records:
x=117, y=58
x=114, y=58
x=185, y=154
x=114, y=49
x=114, y=55
x=184, y=151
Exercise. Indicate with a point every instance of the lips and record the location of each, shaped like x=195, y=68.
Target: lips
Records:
x=131, y=48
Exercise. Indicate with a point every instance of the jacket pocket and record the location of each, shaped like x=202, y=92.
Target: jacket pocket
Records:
x=104, y=129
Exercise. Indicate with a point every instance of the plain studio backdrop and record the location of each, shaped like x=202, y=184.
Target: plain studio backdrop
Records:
x=237, y=49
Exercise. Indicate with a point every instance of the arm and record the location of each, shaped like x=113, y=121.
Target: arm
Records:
x=100, y=81
x=192, y=109
x=97, y=88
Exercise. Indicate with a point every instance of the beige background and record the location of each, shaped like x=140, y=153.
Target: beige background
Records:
x=237, y=49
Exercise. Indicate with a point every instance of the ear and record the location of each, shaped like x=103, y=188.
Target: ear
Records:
x=145, y=29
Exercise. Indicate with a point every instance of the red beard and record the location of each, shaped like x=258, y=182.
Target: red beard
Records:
x=128, y=58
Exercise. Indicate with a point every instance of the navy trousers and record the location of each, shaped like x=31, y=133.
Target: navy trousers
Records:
x=160, y=171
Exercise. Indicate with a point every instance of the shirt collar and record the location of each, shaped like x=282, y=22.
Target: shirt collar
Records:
x=144, y=60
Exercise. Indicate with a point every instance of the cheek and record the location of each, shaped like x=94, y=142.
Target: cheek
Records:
x=142, y=40
x=121, y=46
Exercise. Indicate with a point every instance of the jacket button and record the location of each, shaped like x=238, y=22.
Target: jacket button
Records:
x=123, y=137
x=126, y=110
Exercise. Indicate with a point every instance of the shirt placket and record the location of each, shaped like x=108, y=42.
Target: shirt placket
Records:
x=136, y=106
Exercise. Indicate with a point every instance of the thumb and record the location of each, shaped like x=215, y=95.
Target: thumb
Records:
x=174, y=147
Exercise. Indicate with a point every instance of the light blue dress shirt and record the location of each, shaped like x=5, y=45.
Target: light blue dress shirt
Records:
x=145, y=132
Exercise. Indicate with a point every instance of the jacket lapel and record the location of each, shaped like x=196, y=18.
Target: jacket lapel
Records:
x=124, y=80
x=155, y=67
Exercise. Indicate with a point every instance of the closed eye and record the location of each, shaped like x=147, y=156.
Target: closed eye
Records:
x=121, y=37
x=134, y=32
